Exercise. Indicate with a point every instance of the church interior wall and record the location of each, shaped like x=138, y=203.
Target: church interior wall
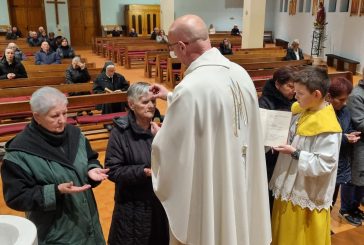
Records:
x=4, y=15
x=344, y=35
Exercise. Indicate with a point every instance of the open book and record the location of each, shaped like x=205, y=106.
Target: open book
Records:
x=275, y=126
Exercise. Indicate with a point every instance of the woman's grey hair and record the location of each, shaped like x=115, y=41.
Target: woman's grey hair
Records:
x=45, y=99
x=109, y=66
x=76, y=59
x=136, y=90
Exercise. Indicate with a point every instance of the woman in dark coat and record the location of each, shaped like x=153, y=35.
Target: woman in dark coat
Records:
x=138, y=217
x=77, y=73
x=110, y=82
x=11, y=68
x=65, y=50
x=278, y=94
x=338, y=93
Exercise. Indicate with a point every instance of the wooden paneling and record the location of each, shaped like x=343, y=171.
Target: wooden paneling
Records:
x=143, y=18
x=84, y=19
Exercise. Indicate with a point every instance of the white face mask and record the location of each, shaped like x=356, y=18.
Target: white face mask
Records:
x=172, y=54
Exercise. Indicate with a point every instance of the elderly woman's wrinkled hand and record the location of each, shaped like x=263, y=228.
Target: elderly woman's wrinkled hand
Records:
x=98, y=174
x=69, y=188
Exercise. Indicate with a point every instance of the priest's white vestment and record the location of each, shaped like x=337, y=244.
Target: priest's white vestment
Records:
x=208, y=163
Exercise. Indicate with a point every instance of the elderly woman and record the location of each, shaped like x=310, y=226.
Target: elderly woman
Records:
x=11, y=68
x=294, y=52
x=77, y=72
x=278, y=94
x=65, y=50
x=138, y=216
x=110, y=81
x=19, y=55
x=48, y=172
x=339, y=91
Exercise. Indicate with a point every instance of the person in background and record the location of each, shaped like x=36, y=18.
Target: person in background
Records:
x=133, y=33
x=161, y=37
x=43, y=37
x=235, y=31
x=225, y=47
x=46, y=56
x=138, y=216
x=208, y=166
x=212, y=29
x=52, y=41
x=33, y=39
x=154, y=34
x=40, y=31
x=278, y=94
x=339, y=90
x=65, y=51
x=49, y=170
x=303, y=181
x=356, y=108
x=13, y=33
x=294, y=52
x=110, y=81
x=116, y=32
x=10, y=67
x=19, y=55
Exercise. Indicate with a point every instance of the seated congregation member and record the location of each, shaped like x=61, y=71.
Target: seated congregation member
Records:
x=10, y=67
x=235, y=31
x=161, y=37
x=138, y=216
x=212, y=29
x=46, y=56
x=65, y=50
x=43, y=36
x=294, y=52
x=110, y=81
x=13, y=33
x=225, y=47
x=116, y=32
x=356, y=107
x=154, y=34
x=304, y=177
x=49, y=170
x=41, y=30
x=19, y=55
x=278, y=94
x=133, y=33
x=339, y=90
x=33, y=39
x=77, y=72
x=52, y=41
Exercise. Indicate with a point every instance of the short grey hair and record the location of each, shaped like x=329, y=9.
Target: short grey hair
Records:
x=296, y=41
x=137, y=90
x=109, y=66
x=76, y=59
x=45, y=99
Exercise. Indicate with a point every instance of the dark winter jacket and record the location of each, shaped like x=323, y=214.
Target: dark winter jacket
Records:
x=292, y=56
x=34, y=42
x=16, y=67
x=77, y=76
x=35, y=163
x=65, y=52
x=116, y=82
x=43, y=58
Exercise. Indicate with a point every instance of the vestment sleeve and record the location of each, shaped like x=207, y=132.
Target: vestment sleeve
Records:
x=322, y=158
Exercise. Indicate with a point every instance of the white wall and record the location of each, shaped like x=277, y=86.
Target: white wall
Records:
x=112, y=11
x=345, y=34
x=50, y=12
x=4, y=14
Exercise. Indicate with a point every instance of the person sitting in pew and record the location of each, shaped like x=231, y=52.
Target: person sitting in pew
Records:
x=33, y=39
x=52, y=41
x=46, y=56
x=225, y=47
x=110, y=81
x=13, y=33
x=117, y=32
x=43, y=36
x=235, y=31
x=133, y=33
x=154, y=34
x=11, y=68
x=65, y=50
x=294, y=52
x=161, y=37
x=19, y=55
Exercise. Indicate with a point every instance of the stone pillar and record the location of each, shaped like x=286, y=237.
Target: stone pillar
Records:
x=253, y=23
x=167, y=14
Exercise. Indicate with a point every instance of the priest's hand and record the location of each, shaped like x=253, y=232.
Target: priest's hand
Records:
x=154, y=128
x=98, y=174
x=159, y=91
x=285, y=149
x=69, y=188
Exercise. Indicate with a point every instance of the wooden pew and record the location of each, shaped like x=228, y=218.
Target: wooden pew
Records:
x=54, y=67
x=275, y=64
x=150, y=61
x=40, y=74
x=340, y=63
x=137, y=53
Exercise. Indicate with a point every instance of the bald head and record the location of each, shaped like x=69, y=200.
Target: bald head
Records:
x=189, y=28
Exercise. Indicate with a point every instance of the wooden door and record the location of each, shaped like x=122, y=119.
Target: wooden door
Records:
x=27, y=15
x=84, y=16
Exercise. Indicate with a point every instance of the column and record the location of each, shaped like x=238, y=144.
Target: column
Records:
x=167, y=14
x=253, y=23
